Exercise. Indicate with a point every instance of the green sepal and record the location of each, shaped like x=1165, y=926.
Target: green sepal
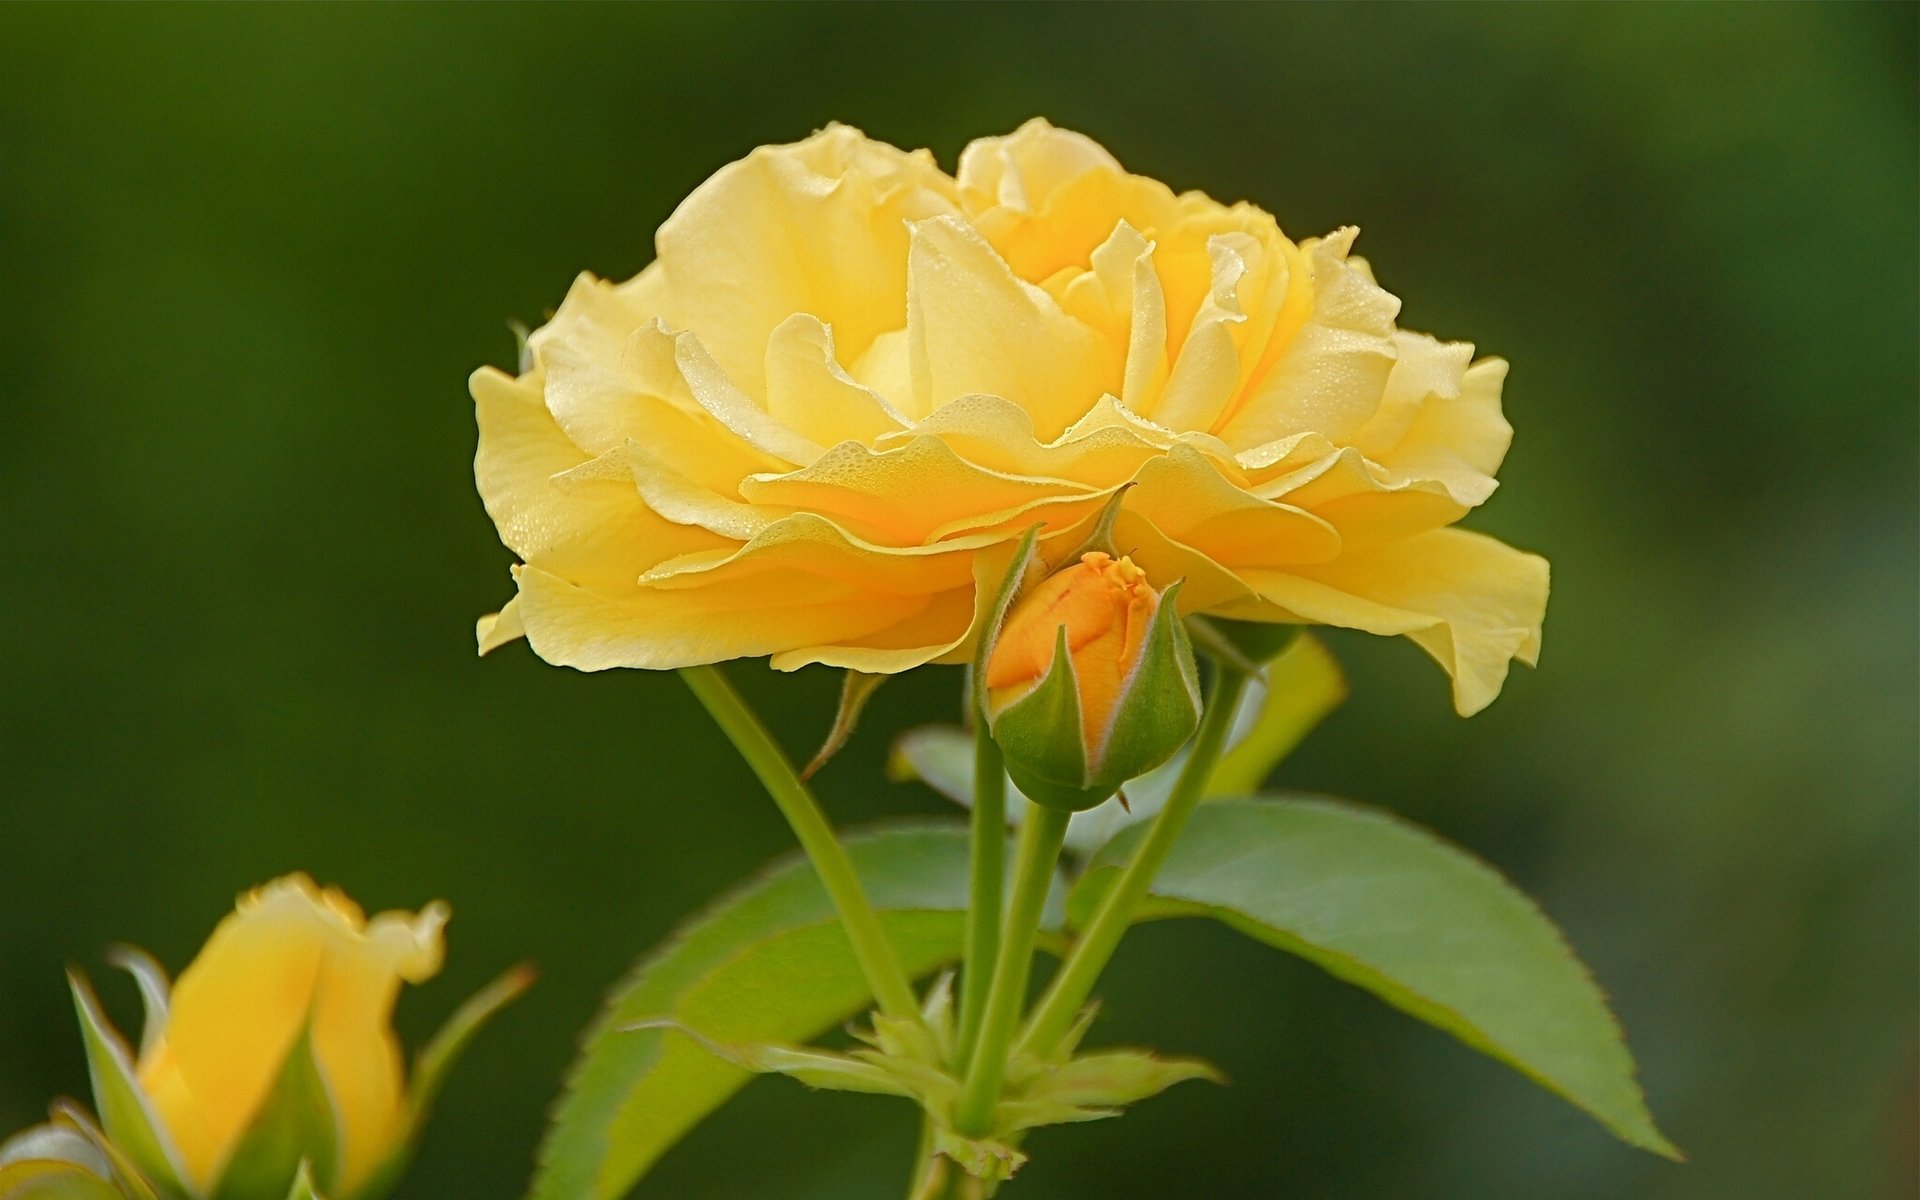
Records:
x=1243, y=643
x=131, y=1124
x=155, y=991
x=982, y=1158
x=303, y=1188
x=856, y=689
x=995, y=617
x=1159, y=704
x=827, y=1070
x=1095, y=1086
x=57, y=1142
x=1100, y=538
x=1041, y=739
x=294, y=1125
x=55, y=1161
x=432, y=1065
x=53, y=1179
x=124, y=1174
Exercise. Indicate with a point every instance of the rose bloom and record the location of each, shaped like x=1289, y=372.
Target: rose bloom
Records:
x=814, y=428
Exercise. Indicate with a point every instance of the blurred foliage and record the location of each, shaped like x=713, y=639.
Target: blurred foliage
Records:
x=249, y=254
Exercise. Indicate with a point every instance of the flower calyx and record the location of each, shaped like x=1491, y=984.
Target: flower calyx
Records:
x=1088, y=679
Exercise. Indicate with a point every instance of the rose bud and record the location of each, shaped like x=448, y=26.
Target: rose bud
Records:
x=1090, y=683
x=274, y=1061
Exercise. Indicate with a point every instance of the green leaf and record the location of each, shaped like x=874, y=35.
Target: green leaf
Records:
x=856, y=689
x=131, y=1124
x=982, y=1158
x=1419, y=923
x=294, y=1127
x=768, y=963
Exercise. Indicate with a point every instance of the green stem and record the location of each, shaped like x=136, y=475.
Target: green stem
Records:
x=1040, y=840
x=988, y=886
x=929, y=1171
x=1058, y=1009
x=891, y=989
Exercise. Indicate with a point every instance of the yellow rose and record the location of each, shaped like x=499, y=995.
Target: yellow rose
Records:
x=814, y=426
x=290, y=954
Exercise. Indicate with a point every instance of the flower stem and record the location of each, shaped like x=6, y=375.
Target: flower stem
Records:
x=891, y=989
x=1070, y=988
x=1040, y=838
x=988, y=885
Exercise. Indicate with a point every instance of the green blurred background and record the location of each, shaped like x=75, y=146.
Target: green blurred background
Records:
x=248, y=256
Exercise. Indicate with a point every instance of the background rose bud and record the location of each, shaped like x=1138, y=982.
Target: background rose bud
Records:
x=276, y=1050
x=1090, y=682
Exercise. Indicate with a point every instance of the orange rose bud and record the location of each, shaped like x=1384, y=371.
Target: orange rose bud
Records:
x=1106, y=605
x=1121, y=703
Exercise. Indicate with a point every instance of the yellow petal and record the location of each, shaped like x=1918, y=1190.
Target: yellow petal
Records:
x=1187, y=497
x=906, y=496
x=1330, y=375
x=1471, y=602
x=290, y=953
x=816, y=227
x=497, y=629
x=809, y=392
x=1207, y=370
x=974, y=327
x=591, y=530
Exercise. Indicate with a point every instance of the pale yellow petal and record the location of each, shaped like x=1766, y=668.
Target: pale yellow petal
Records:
x=733, y=408
x=1472, y=602
x=809, y=392
x=290, y=953
x=353, y=1039
x=594, y=532
x=497, y=629
x=1367, y=503
x=1330, y=374
x=1104, y=448
x=1207, y=370
x=818, y=227
x=596, y=397
x=974, y=327
x=1457, y=440
x=1188, y=498
x=905, y=496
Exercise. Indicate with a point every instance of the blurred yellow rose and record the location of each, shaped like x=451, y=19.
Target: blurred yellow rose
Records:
x=814, y=426
x=291, y=953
